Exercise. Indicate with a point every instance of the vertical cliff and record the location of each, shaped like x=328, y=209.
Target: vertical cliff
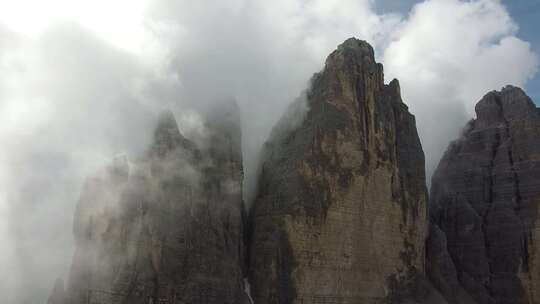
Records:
x=340, y=214
x=168, y=228
x=485, y=196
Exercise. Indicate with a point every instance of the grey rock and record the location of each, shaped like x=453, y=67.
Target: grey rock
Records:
x=168, y=228
x=340, y=215
x=484, y=199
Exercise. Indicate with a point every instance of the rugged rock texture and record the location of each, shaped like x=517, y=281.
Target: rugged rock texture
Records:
x=167, y=229
x=485, y=196
x=340, y=215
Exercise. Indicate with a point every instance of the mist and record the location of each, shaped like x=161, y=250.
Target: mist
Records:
x=73, y=94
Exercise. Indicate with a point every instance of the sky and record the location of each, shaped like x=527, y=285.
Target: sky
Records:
x=526, y=14
x=82, y=81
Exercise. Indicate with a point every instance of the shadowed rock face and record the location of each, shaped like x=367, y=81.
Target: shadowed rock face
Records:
x=485, y=196
x=167, y=229
x=340, y=215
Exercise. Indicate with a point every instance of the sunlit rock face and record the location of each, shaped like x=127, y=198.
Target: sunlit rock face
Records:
x=340, y=215
x=485, y=196
x=168, y=228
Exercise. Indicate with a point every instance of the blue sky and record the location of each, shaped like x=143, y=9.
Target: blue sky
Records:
x=526, y=13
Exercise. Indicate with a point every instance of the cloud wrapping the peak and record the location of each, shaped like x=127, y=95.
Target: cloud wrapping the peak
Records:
x=73, y=96
x=447, y=54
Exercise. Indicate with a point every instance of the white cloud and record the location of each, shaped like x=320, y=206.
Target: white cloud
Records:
x=447, y=55
x=118, y=21
x=67, y=104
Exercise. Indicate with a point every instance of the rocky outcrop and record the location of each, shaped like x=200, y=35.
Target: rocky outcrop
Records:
x=168, y=228
x=484, y=205
x=340, y=215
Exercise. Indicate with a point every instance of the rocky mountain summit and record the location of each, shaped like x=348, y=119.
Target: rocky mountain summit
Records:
x=340, y=215
x=485, y=193
x=168, y=229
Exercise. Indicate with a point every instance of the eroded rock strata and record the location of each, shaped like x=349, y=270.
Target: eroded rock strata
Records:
x=485, y=196
x=167, y=229
x=340, y=215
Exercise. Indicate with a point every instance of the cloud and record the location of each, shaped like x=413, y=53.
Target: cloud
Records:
x=261, y=54
x=73, y=96
x=447, y=54
x=68, y=103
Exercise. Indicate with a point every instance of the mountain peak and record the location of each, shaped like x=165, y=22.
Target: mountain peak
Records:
x=354, y=142
x=352, y=52
x=511, y=103
x=167, y=123
x=486, y=199
x=167, y=136
x=357, y=45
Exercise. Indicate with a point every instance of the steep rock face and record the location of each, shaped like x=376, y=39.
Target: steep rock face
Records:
x=485, y=196
x=167, y=229
x=340, y=215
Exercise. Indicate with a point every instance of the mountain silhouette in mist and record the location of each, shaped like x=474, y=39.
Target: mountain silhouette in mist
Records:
x=341, y=212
